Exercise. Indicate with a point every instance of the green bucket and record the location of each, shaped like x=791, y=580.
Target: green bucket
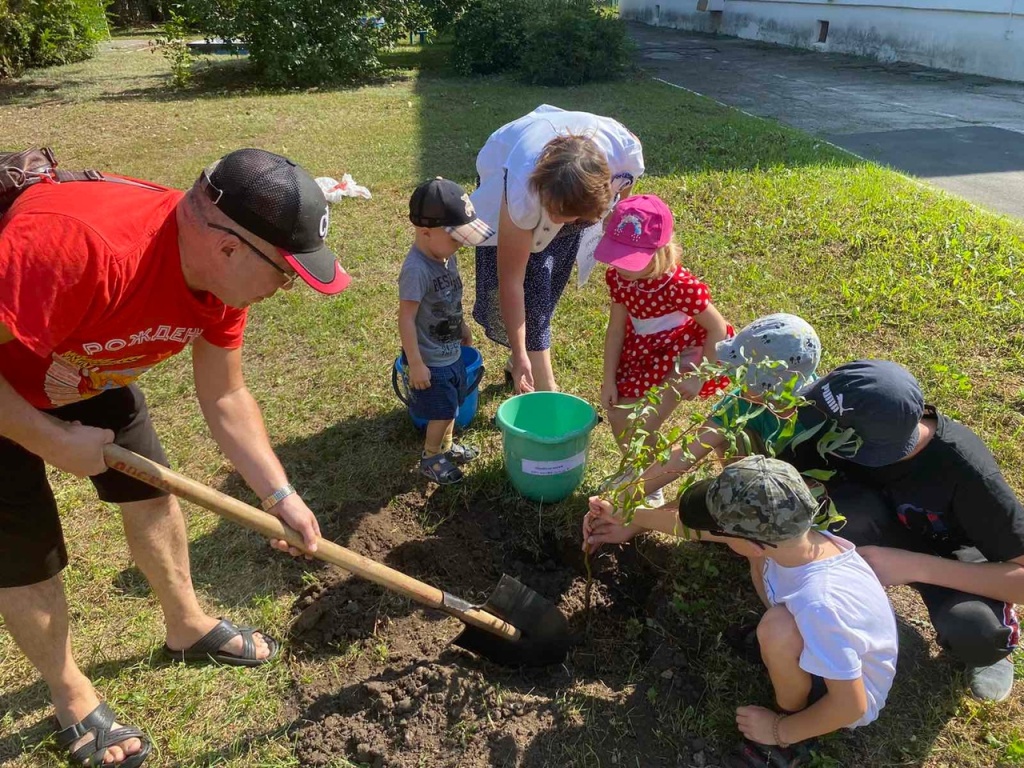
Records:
x=545, y=436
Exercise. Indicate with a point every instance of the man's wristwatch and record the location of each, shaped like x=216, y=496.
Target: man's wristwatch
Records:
x=281, y=493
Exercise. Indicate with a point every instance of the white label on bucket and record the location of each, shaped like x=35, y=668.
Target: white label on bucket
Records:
x=554, y=467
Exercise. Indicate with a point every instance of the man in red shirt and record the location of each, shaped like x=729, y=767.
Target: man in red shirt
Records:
x=99, y=281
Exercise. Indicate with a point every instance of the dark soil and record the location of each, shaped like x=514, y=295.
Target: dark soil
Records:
x=402, y=696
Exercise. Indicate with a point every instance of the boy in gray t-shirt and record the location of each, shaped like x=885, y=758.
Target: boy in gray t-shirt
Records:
x=430, y=320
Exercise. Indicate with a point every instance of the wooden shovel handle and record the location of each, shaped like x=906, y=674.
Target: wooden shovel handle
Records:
x=256, y=520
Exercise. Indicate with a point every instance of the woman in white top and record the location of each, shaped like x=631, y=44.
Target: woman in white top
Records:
x=543, y=179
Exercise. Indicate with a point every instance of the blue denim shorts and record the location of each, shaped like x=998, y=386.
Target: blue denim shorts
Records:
x=447, y=391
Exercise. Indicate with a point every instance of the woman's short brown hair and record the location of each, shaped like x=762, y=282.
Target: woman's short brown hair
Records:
x=572, y=178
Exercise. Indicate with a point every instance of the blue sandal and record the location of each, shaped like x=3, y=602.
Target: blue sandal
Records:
x=98, y=723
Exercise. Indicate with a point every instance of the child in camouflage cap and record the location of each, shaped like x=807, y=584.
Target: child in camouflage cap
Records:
x=828, y=637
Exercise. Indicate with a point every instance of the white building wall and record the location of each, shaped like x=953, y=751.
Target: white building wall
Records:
x=984, y=37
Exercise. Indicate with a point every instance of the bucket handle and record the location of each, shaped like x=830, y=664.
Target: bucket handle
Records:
x=476, y=381
x=399, y=391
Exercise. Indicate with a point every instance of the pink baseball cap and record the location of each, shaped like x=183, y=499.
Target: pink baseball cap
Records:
x=637, y=227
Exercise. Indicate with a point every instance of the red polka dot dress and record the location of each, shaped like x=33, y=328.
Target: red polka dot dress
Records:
x=660, y=327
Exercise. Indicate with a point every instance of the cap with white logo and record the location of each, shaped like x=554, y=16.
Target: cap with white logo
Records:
x=440, y=202
x=276, y=200
x=879, y=400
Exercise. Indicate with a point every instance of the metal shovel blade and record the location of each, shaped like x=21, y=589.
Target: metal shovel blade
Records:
x=544, y=639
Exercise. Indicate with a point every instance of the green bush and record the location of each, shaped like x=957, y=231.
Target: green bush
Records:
x=489, y=36
x=15, y=37
x=307, y=42
x=548, y=42
x=41, y=33
x=172, y=43
x=572, y=46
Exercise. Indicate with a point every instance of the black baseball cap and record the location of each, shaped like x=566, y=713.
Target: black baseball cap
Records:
x=879, y=400
x=276, y=200
x=443, y=203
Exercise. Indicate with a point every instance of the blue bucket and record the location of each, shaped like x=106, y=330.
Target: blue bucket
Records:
x=474, y=363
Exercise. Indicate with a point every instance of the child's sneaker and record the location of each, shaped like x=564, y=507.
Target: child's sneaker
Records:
x=993, y=682
x=655, y=500
x=440, y=469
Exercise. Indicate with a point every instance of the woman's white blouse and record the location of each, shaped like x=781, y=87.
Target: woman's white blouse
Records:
x=508, y=158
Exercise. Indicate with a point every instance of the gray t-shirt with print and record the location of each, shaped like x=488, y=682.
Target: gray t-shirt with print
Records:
x=437, y=287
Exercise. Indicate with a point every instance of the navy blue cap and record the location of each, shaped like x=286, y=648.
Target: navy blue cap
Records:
x=879, y=400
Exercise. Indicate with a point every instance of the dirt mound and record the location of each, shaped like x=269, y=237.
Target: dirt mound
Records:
x=403, y=697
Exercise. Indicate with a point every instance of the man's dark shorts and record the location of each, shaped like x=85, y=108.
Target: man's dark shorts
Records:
x=447, y=391
x=31, y=540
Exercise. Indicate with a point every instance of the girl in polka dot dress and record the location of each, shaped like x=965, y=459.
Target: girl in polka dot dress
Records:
x=662, y=319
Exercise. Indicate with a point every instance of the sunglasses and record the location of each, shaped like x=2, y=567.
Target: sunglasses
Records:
x=289, y=277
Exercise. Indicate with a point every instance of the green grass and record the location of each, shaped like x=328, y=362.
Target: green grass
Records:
x=772, y=219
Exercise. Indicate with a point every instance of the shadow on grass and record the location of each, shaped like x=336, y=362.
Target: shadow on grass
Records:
x=345, y=474
x=926, y=694
x=232, y=79
x=228, y=77
x=214, y=77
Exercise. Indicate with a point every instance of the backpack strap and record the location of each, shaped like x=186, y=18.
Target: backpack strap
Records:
x=62, y=176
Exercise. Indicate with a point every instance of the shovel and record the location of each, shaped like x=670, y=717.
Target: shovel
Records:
x=515, y=627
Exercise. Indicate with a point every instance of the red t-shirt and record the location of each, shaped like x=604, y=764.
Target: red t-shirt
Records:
x=92, y=289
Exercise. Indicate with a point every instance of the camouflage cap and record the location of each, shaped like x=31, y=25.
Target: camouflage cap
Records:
x=755, y=498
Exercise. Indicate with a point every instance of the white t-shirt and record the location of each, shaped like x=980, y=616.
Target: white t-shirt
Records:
x=845, y=619
x=514, y=149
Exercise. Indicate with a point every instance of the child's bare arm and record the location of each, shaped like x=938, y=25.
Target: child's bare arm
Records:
x=843, y=705
x=419, y=373
x=602, y=525
x=614, y=337
x=717, y=329
x=708, y=439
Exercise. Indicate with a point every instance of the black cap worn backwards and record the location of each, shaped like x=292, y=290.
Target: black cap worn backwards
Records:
x=443, y=203
x=278, y=201
x=879, y=400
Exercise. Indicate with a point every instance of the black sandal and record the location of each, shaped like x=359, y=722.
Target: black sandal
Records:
x=207, y=648
x=98, y=723
x=750, y=754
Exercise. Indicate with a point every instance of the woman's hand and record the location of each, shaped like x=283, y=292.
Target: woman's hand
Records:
x=522, y=375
